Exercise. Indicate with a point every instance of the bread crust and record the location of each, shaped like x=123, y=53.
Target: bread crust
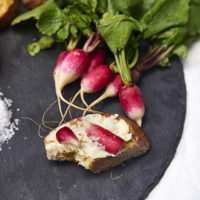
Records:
x=7, y=15
x=137, y=146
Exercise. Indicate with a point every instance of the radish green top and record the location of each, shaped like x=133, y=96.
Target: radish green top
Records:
x=169, y=25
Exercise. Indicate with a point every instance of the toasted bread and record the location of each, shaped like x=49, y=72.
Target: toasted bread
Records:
x=7, y=11
x=92, y=157
x=30, y=4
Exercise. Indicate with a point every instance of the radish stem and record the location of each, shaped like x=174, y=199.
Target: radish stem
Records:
x=123, y=68
x=73, y=43
x=156, y=60
x=150, y=57
x=92, y=42
x=135, y=59
x=88, y=41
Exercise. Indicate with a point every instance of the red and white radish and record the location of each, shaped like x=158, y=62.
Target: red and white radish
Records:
x=96, y=79
x=70, y=66
x=92, y=82
x=132, y=102
x=66, y=135
x=113, y=88
x=105, y=138
x=96, y=58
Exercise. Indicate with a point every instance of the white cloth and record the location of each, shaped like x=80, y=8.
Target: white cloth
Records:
x=182, y=179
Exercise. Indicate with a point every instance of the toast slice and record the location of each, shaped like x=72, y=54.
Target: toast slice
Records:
x=7, y=11
x=87, y=153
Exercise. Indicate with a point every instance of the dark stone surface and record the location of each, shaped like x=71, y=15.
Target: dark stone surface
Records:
x=25, y=172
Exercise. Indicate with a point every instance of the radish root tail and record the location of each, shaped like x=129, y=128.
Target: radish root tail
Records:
x=69, y=103
x=75, y=106
x=40, y=127
x=45, y=112
x=83, y=99
x=101, y=98
x=59, y=103
x=72, y=101
x=139, y=122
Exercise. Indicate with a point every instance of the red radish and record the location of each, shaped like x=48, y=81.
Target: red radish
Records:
x=70, y=66
x=60, y=59
x=107, y=139
x=132, y=102
x=96, y=79
x=92, y=82
x=96, y=58
x=113, y=88
x=65, y=134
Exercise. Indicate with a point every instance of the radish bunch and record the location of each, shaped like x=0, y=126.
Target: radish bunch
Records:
x=89, y=64
x=73, y=64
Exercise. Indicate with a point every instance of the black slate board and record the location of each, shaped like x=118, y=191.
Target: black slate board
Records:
x=25, y=173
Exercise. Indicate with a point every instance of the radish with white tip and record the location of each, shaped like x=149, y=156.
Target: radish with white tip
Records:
x=70, y=66
x=132, y=102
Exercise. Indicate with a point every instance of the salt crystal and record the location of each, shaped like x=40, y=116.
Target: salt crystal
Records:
x=8, y=102
x=7, y=128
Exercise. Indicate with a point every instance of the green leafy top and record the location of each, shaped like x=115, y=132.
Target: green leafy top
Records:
x=170, y=26
x=75, y=18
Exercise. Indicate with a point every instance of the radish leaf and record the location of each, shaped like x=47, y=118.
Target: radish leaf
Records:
x=50, y=21
x=35, y=13
x=171, y=13
x=63, y=32
x=116, y=30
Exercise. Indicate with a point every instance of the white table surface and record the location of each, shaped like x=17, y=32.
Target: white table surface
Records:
x=181, y=181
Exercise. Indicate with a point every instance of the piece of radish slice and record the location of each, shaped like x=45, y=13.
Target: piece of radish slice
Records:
x=104, y=137
x=65, y=134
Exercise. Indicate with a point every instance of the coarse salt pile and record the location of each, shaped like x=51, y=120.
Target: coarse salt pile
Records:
x=7, y=128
